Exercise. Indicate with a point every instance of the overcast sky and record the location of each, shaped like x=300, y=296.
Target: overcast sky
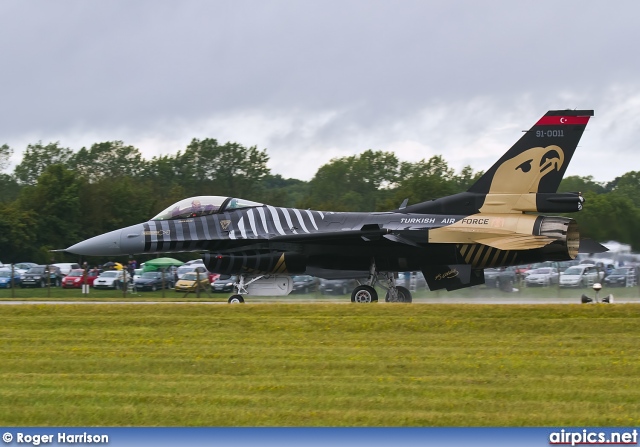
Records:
x=312, y=80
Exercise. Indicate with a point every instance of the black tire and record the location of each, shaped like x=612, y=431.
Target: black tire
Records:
x=9, y=285
x=235, y=299
x=364, y=294
x=42, y=284
x=116, y=285
x=404, y=295
x=153, y=287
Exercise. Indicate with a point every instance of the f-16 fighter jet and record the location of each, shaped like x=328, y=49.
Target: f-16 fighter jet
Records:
x=495, y=223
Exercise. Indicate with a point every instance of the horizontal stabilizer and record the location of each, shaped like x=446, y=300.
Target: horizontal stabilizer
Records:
x=591, y=246
x=516, y=242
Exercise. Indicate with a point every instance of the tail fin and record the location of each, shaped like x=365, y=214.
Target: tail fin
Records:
x=538, y=160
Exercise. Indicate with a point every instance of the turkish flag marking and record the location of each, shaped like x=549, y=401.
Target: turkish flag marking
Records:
x=560, y=120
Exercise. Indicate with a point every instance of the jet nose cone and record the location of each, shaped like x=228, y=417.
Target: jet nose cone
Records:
x=125, y=241
x=104, y=245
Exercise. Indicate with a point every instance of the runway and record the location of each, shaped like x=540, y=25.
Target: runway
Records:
x=338, y=300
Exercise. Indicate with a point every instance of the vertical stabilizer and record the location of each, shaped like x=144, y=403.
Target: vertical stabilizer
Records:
x=538, y=160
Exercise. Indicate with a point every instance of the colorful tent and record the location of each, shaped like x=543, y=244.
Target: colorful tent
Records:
x=160, y=263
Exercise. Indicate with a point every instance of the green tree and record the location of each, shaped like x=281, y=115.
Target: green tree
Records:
x=17, y=233
x=110, y=159
x=55, y=202
x=466, y=178
x=609, y=217
x=278, y=191
x=628, y=185
x=585, y=184
x=5, y=155
x=9, y=188
x=355, y=183
x=426, y=180
x=37, y=157
x=228, y=169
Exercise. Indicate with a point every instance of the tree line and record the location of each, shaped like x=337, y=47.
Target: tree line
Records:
x=56, y=197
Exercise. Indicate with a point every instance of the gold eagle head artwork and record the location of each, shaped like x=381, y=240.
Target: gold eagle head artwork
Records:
x=522, y=173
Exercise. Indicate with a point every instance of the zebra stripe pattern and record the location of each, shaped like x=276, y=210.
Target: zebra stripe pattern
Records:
x=211, y=232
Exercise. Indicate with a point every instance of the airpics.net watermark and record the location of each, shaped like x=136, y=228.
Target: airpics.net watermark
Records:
x=60, y=438
x=592, y=437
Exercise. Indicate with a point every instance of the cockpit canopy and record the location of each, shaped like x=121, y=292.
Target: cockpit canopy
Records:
x=203, y=206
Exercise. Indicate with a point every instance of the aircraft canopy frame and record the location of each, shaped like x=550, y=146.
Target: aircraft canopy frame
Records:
x=203, y=206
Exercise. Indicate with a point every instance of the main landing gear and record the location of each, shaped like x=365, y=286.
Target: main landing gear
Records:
x=365, y=293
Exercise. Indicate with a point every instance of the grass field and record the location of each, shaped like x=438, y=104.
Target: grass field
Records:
x=320, y=365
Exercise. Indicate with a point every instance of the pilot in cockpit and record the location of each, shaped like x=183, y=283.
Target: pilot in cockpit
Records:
x=196, y=208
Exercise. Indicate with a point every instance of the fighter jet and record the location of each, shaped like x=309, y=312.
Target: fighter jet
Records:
x=451, y=239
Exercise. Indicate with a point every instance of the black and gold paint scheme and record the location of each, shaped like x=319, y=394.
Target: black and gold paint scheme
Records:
x=451, y=239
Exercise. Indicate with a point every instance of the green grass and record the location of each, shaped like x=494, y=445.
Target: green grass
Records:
x=320, y=365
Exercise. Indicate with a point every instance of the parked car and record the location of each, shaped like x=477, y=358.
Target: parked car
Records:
x=74, y=280
x=194, y=267
x=501, y=278
x=22, y=267
x=336, y=286
x=563, y=265
x=191, y=281
x=154, y=281
x=224, y=283
x=137, y=273
x=543, y=276
x=111, y=279
x=41, y=276
x=621, y=277
x=66, y=267
x=5, y=279
x=581, y=275
x=304, y=283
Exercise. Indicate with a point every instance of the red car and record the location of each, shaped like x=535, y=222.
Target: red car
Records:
x=74, y=279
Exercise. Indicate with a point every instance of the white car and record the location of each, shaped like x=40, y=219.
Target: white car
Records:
x=543, y=276
x=66, y=267
x=194, y=267
x=582, y=275
x=111, y=279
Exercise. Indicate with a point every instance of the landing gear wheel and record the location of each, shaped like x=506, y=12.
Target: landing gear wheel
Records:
x=404, y=296
x=235, y=299
x=364, y=294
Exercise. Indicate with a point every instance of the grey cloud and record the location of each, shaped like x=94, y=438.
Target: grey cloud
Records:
x=157, y=68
